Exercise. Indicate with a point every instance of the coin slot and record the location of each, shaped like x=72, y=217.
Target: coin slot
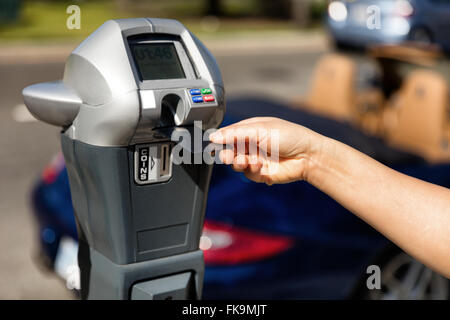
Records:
x=152, y=163
x=165, y=160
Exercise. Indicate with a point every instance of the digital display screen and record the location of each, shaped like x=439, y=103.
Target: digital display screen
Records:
x=157, y=61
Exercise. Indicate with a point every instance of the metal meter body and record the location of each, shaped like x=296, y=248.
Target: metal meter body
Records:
x=125, y=89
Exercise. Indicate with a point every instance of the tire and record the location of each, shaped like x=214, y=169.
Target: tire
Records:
x=404, y=278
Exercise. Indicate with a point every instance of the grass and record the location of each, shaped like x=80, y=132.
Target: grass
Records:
x=45, y=21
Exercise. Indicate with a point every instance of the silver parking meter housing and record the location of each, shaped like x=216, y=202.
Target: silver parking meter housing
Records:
x=139, y=216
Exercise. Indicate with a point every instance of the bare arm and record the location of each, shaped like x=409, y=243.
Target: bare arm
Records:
x=412, y=213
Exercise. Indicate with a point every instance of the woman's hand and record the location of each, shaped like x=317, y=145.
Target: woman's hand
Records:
x=289, y=148
x=412, y=213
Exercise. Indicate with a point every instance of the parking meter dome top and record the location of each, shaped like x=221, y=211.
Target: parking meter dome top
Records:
x=104, y=100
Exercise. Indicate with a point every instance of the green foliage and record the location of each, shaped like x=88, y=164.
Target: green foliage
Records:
x=47, y=20
x=318, y=9
x=9, y=10
x=190, y=8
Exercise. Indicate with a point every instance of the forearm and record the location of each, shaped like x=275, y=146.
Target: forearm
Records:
x=412, y=213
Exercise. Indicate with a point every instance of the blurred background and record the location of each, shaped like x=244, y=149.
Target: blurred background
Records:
x=373, y=74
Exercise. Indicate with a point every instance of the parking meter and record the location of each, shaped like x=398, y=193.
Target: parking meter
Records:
x=139, y=215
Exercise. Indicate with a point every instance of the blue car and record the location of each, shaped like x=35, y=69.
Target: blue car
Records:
x=367, y=22
x=281, y=242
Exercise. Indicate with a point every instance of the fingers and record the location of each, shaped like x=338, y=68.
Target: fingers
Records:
x=227, y=156
x=243, y=141
x=254, y=167
x=243, y=130
x=250, y=165
x=255, y=177
x=254, y=172
x=232, y=135
x=240, y=163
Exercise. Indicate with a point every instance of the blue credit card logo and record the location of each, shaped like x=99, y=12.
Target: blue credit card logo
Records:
x=195, y=92
x=197, y=99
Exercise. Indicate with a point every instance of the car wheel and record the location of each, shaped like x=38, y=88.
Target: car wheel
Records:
x=404, y=278
x=421, y=35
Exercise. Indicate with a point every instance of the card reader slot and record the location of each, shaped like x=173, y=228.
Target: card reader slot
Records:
x=173, y=110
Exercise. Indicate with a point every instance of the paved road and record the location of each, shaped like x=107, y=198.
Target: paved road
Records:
x=27, y=146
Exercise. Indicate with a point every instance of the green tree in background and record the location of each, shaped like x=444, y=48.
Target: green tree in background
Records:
x=9, y=10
